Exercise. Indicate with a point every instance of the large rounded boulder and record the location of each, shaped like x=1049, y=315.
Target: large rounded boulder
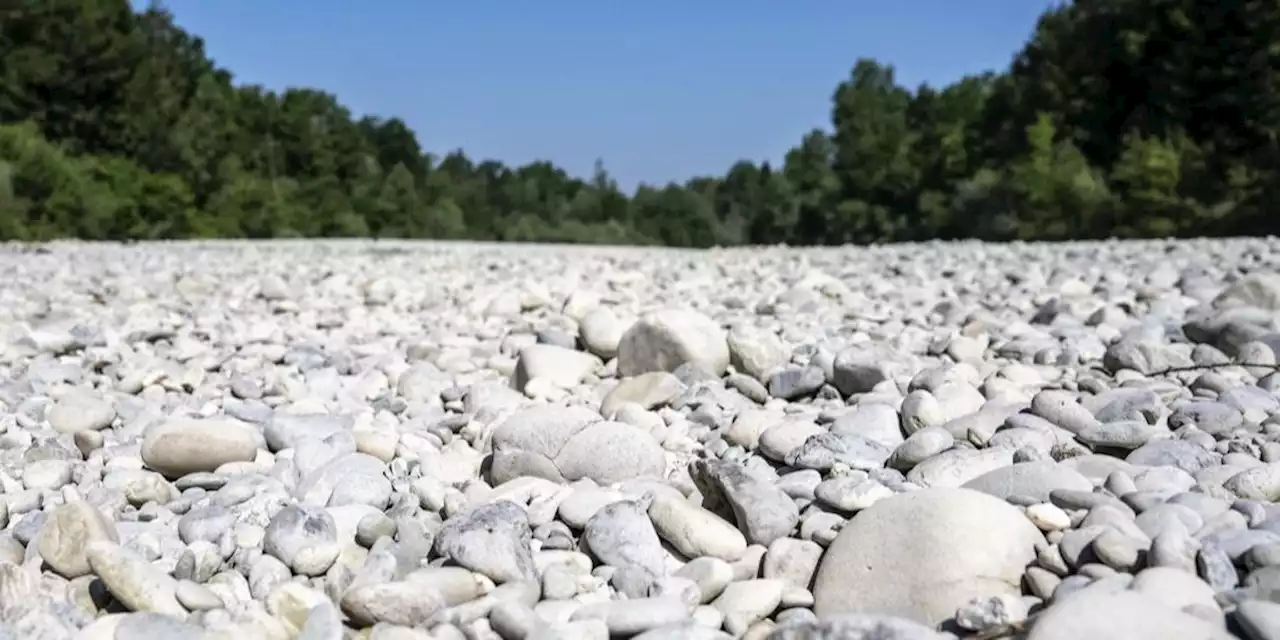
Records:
x=921, y=555
x=665, y=340
x=563, y=444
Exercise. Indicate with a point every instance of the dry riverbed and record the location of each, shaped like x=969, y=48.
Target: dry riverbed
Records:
x=393, y=440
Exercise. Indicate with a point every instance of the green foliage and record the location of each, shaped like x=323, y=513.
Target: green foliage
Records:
x=1130, y=118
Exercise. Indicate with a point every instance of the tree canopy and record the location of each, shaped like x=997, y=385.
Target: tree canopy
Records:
x=1124, y=118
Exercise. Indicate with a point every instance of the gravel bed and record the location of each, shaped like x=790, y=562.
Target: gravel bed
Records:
x=396, y=440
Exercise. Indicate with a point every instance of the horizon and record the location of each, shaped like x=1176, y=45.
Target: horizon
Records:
x=662, y=99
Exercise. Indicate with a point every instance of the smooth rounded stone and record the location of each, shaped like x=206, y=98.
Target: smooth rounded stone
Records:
x=1167, y=516
x=455, y=585
x=694, y=531
x=11, y=550
x=492, y=540
x=794, y=616
x=1048, y=517
x=762, y=511
x=403, y=603
x=136, y=583
x=1042, y=582
x=1165, y=478
x=859, y=368
x=748, y=386
x=1076, y=545
x=304, y=538
x=28, y=527
x=800, y=483
x=1175, y=549
x=755, y=352
x=792, y=383
x=47, y=475
x=206, y=481
x=683, y=588
x=707, y=616
x=920, y=410
x=18, y=584
x=827, y=450
x=1096, y=467
x=923, y=554
x=140, y=487
x=348, y=479
x=196, y=597
x=80, y=410
x=879, y=423
x=1176, y=589
x=641, y=418
x=64, y=539
x=609, y=452
x=1125, y=434
x=177, y=447
x=373, y=526
x=778, y=441
x=664, y=340
x=1126, y=403
x=684, y=631
x=1216, y=567
x=955, y=467
x=921, y=445
x=601, y=332
x=1173, y=453
x=559, y=583
x=856, y=627
x=205, y=523
x=154, y=626
x=286, y=430
x=88, y=441
x=1258, y=483
x=1258, y=619
x=749, y=566
x=1064, y=410
x=526, y=442
x=747, y=602
x=1116, y=550
x=585, y=501
x=265, y=573
x=749, y=425
x=1031, y=479
x=996, y=612
x=513, y=619
x=622, y=535
x=632, y=617
x=1254, y=402
x=851, y=493
x=1118, y=615
x=1213, y=418
x=649, y=390
x=292, y=603
x=198, y=562
x=711, y=575
x=102, y=628
x=1262, y=555
x=958, y=399
x=561, y=366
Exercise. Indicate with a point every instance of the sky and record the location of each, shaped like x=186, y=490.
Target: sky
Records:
x=658, y=90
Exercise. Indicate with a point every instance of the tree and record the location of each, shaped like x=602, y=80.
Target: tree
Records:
x=1117, y=117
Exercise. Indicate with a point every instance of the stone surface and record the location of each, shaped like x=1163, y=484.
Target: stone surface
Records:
x=389, y=440
x=923, y=554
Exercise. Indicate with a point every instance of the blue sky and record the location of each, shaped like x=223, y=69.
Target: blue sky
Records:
x=660, y=89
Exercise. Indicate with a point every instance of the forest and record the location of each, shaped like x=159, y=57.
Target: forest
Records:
x=1117, y=118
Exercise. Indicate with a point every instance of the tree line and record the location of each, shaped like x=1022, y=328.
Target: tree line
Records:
x=1118, y=118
